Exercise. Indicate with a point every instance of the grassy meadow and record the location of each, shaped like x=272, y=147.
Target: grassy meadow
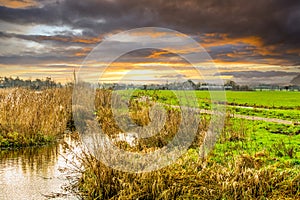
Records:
x=270, y=104
x=252, y=159
x=259, y=99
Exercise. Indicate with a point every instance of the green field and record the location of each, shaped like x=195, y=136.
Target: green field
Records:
x=270, y=104
x=267, y=99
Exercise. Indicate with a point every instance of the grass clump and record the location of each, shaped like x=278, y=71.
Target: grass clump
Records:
x=29, y=117
x=243, y=178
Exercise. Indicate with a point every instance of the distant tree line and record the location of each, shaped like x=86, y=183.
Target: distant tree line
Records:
x=40, y=84
x=187, y=85
x=190, y=85
x=37, y=84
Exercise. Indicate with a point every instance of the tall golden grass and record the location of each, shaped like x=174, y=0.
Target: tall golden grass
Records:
x=189, y=178
x=29, y=117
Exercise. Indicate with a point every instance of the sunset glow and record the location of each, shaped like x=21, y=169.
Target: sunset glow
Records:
x=53, y=38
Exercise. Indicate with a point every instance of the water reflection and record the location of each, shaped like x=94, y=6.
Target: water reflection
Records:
x=34, y=173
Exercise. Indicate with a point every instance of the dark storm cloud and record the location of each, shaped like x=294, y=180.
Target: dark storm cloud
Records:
x=276, y=22
x=57, y=39
x=94, y=16
x=259, y=77
x=44, y=15
x=39, y=59
x=258, y=74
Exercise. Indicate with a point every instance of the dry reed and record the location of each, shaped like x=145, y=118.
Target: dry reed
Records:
x=29, y=117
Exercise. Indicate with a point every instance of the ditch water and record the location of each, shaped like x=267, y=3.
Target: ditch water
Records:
x=36, y=173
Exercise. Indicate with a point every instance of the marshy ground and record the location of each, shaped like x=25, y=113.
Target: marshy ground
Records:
x=252, y=159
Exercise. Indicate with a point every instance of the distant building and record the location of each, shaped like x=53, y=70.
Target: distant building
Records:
x=228, y=87
x=277, y=87
x=266, y=87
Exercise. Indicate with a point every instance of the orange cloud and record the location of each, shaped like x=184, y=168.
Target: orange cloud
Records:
x=157, y=54
x=84, y=40
x=18, y=4
x=294, y=51
x=87, y=40
x=254, y=42
x=83, y=52
x=216, y=39
x=237, y=54
x=184, y=50
x=154, y=33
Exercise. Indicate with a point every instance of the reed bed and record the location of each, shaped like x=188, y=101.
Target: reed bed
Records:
x=29, y=117
x=189, y=178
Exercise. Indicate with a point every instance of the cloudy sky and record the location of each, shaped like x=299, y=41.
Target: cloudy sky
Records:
x=248, y=41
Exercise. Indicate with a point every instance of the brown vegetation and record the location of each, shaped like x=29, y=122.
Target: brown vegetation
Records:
x=29, y=117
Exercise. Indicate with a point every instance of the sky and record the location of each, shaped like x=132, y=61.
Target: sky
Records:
x=250, y=42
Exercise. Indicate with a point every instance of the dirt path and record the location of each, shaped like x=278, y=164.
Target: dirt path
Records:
x=248, y=117
x=254, y=118
x=274, y=120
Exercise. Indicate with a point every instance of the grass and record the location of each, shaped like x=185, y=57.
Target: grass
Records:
x=29, y=118
x=267, y=99
x=251, y=160
x=292, y=115
x=246, y=177
x=258, y=137
x=270, y=104
x=258, y=99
